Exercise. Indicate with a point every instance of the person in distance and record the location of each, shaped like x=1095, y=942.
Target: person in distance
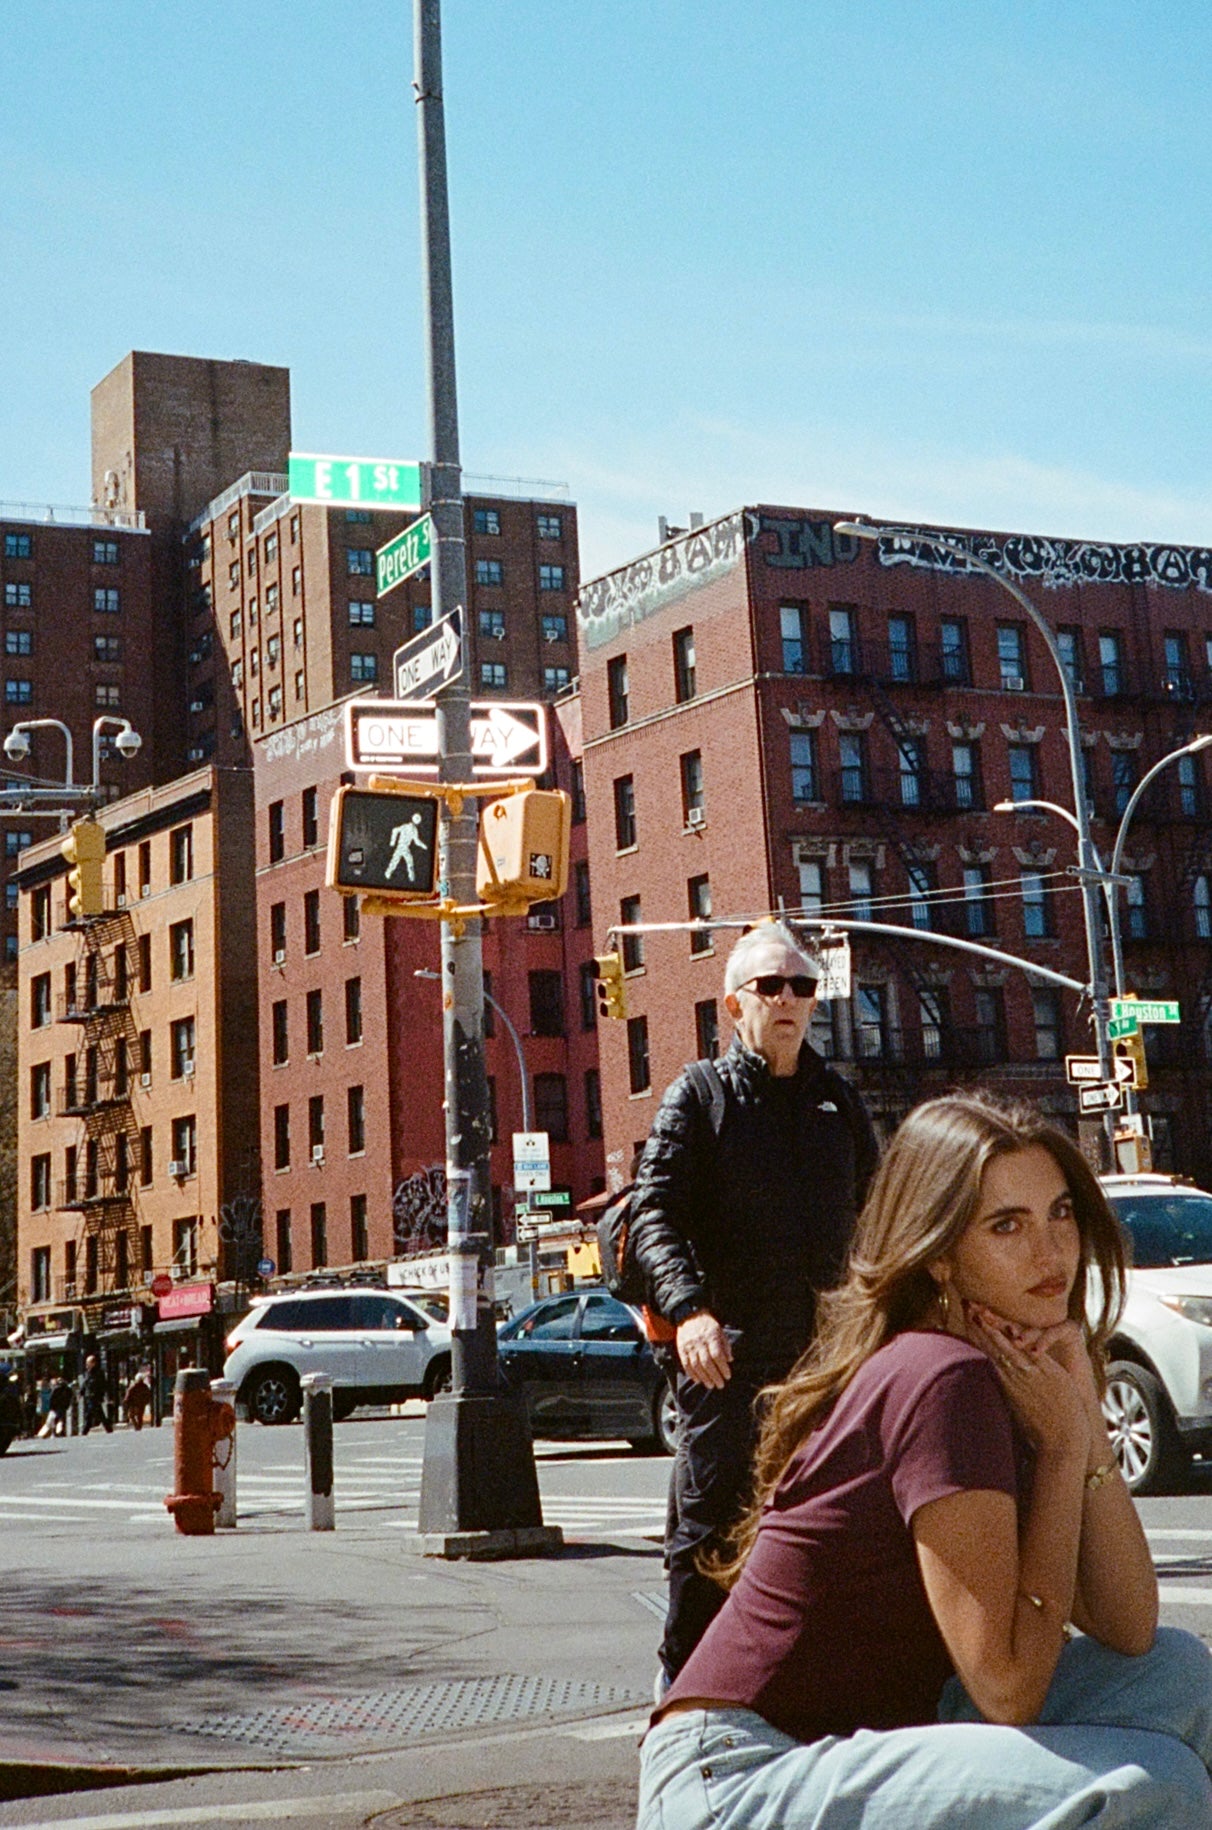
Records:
x=936, y=1501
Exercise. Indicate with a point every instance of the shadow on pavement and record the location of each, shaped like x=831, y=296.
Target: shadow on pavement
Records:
x=607, y=1804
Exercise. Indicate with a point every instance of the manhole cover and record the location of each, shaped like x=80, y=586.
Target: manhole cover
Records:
x=319, y=1724
x=607, y=1804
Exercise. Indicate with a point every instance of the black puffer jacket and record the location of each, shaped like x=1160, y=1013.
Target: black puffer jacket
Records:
x=752, y=1222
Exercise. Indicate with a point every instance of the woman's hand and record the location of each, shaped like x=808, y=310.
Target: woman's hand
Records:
x=1047, y=1396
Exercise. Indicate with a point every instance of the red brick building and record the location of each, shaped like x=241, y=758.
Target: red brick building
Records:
x=778, y=716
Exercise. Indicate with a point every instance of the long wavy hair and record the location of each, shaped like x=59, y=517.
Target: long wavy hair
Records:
x=923, y=1196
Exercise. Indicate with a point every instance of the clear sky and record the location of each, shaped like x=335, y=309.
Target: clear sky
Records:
x=949, y=261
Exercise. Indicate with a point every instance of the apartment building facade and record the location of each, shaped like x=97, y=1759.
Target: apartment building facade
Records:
x=778, y=716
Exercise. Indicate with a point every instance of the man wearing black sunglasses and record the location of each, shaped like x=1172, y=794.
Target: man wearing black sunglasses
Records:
x=740, y=1216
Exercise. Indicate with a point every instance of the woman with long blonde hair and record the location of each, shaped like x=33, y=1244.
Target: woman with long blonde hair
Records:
x=936, y=1500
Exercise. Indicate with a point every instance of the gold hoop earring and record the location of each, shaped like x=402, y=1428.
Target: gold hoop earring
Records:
x=944, y=1303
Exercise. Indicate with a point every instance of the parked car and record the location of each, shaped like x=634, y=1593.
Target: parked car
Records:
x=1159, y=1378
x=378, y=1347
x=586, y=1371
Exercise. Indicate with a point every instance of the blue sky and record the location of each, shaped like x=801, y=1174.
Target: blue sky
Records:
x=946, y=261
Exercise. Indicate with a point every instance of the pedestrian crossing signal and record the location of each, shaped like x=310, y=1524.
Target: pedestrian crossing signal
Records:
x=523, y=849
x=84, y=849
x=384, y=844
x=612, y=992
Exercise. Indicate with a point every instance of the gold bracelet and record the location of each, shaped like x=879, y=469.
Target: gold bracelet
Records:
x=1099, y=1477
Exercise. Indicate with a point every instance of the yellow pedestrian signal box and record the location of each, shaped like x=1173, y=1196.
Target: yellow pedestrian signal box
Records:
x=1132, y=1048
x=384, y=844
x=84, y=849
x=612, y=992
x=523, y=853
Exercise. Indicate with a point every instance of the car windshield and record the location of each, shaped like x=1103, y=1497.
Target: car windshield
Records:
x=434, y=1303
x=1167, y=1229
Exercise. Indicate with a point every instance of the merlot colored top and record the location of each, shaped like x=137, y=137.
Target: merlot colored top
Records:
x=828, y=1629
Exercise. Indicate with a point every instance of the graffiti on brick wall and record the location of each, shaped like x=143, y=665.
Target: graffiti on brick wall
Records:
x=306, y=738
x=418, y=1211
x=649, y=585
x=1057, y=563
x=801, y=544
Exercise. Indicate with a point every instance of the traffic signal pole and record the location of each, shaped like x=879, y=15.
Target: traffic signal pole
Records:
x=479, y=1489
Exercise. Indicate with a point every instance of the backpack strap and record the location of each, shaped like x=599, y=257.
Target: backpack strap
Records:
x=705, y=1079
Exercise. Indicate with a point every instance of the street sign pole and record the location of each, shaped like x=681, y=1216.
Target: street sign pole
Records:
x=479, y=1488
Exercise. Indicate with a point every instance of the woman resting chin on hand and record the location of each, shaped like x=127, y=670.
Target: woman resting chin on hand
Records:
x=936, y=1500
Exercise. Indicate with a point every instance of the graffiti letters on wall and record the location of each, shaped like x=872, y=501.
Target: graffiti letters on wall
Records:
x=611, y=604
x=801, y=543
x=1056, y=563
x=418, y=1212
x=306, y=738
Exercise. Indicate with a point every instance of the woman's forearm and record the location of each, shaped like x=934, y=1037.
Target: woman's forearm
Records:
x=1116, y=1599
x=1049, y=1544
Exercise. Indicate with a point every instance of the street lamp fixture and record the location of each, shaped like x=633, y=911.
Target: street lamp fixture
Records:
x=17, y=744
x=127, y=742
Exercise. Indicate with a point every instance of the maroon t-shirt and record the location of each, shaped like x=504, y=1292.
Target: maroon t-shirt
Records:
x=829, y=1629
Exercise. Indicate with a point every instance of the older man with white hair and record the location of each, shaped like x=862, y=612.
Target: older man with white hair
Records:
x=739, y=1217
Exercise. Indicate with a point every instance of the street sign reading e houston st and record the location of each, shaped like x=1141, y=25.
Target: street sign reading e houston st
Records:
x=507, y=738
x=358, y=482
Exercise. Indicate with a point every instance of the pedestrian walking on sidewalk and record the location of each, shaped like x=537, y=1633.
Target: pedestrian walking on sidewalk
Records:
x=137, y=1397
x=936, y=1500
x=93, y=1392
x=59, y=1405
x=739, y=1217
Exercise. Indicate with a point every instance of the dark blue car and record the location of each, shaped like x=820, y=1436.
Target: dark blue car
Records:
x=587, y=1373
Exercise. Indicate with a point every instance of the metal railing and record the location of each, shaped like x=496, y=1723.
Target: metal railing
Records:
x=55, y=514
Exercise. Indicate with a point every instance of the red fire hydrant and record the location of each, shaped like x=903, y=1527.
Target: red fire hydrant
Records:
x=199, y=1422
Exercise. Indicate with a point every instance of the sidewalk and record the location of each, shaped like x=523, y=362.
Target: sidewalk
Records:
x=272, y=1651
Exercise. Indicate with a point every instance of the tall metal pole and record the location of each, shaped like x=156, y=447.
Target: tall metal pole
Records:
x=479, y=1489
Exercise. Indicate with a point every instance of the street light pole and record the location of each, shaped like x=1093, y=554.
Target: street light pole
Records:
x=1117, y=854
x=1090, y=874
x=478, y=1475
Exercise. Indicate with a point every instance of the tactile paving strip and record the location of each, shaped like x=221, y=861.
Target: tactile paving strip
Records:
x=411, y=1713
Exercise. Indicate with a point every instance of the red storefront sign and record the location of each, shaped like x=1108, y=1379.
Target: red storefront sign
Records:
x=187, y=1299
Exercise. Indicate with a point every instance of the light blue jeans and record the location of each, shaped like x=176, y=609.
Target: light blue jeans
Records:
x=1123, y=1743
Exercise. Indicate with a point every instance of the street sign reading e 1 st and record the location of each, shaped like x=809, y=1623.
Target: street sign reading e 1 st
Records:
x=431, y=660
x=404, y=555
x=386, y=735
x=1147, y=1010
x=356, y=482
x=1119, y=1027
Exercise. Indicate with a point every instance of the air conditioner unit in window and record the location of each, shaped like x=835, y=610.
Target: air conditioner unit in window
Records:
x=145, y=889
x=145, y=1080
x=541, y=921
x=1013, y=683
x=279, y=956
x=696, y=816
x=317, y=1153
x=120, y=899
x=187, y=1067
x=178, y=1170
x=552, y=635
x=498, y=635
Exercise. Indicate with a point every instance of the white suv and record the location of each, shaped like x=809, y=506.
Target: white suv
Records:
x=378, y=1348
x=1159, y=1388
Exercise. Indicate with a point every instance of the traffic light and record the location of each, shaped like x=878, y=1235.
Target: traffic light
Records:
x=523, y=853
x=384, y=844
x=612, y=991
x=1132, y=1048
x=84, y=849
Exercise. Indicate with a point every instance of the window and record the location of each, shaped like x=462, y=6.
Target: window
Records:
x=583, y=894
x=551, y=1106
x=953, y=641
x=489, y=572
x=20, y=641
x=181, y=950
x=990, y=1026
x=1190, y=796
x=40, y=1001
x=18, y=596
x=1045, y=1007
x=494, y=675
x=486, y=520
x=40, y=1274
x=791, y=634
x=108, y=695
x=107, y=600
x=921, y=883
x=616, y=690
x=852, y=750
x=40, y=1090
x=859, y=872
x=1037, y=914
x=933, y=1017
x=966, y=774
x=698, y=899
x=1138, y=914
x=638, y=1072
x=707, y=1029
x=843, y=647
x=546, y=1003
x=277, y=932
x=593, y=1103
x=15, y=842
x=145, y=962
x=812, y=885
x=1011, y=657
x=978, y=908
x=282, y=1239
x=277, y=832
x=1069, y=643
x=281, y=1033
x=587, y=980
x=556, y=679
x=146, y=1166
x=633, y=944
x=1202, y=901
x=185, y=1144
x=1123, y=778
x=422, y=616
x=554, y=626
x=271, y=547
x=353, y=1012
x=355, y=1113
x=911, y=764
x=693, y=808
x=319, y=1234
x=803, y=766
x=1176, y=668
x=1024, y=782
x=18, y=546
x=299, y=685
x=870, y=1021
x=18, y=692
x=315, y=1125
x=492, y=625
x=902, y=648
x=311, y=818
x=281, y=1141
x=315, y=1022
x=359, y=1238
x=359, y=562
x=107, y=648
x=624, y=813
x=363, y=668
x=40, y=912
x=182, y=1039
x=548, y=527
x=1111, y=662
x=273, y=650
x=311, y=922
x=551, y=578
x=181, y=854
x=351, y=918
x=40, y=1181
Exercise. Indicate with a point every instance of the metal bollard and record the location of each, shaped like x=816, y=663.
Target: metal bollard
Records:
x=317, y=1450
x=198, y=1423
x=223, y=1464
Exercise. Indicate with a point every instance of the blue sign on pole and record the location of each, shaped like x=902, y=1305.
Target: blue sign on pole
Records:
x=266, y=1267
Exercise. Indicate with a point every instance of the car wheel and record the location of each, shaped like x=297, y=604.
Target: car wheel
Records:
x=437, y=1377
x=274, y=1396
x=665, y=1417
x=344, y=1404
x=1141, y=1428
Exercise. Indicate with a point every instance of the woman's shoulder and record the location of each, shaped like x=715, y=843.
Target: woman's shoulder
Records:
x=922, y=1358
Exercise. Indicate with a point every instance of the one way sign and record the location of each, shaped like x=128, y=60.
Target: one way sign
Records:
x=401, y=737
x=432, y=659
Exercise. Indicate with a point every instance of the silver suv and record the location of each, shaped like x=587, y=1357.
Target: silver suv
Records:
x=378, y=1348
x=1159, y=1387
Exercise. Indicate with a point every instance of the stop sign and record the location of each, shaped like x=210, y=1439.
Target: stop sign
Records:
x=161, y=1284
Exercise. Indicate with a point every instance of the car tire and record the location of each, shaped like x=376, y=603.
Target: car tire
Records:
x=663, y=1440
x=1141, y=1427
x=437, y=1377
x=6, y=1439
x=344, y=1404
x=274, y=1395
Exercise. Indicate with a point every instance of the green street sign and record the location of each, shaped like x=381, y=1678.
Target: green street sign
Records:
x=551, y=1197
x=404, y=555
x=354, y=482
x=1147, y=1010
x=1119, y=1027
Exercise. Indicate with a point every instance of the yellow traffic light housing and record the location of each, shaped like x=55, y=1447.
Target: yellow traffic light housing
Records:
x=383, y=843
x=523, y=850
x=612, y=990
x=1132, y=1048
x=84, y=849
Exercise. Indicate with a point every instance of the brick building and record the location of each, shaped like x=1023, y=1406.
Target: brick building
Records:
x=777, y=716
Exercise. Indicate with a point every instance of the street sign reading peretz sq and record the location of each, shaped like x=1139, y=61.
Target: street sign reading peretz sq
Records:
x=404, y=555
x=432, y=659
x=400, y=737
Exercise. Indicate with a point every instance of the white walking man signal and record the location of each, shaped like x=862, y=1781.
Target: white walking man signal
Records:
x=403, y=838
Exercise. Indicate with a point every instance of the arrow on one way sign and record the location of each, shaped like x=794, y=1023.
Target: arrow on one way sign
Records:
x=507, y=737
x=1082, y=1070
x=1099, y=1098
